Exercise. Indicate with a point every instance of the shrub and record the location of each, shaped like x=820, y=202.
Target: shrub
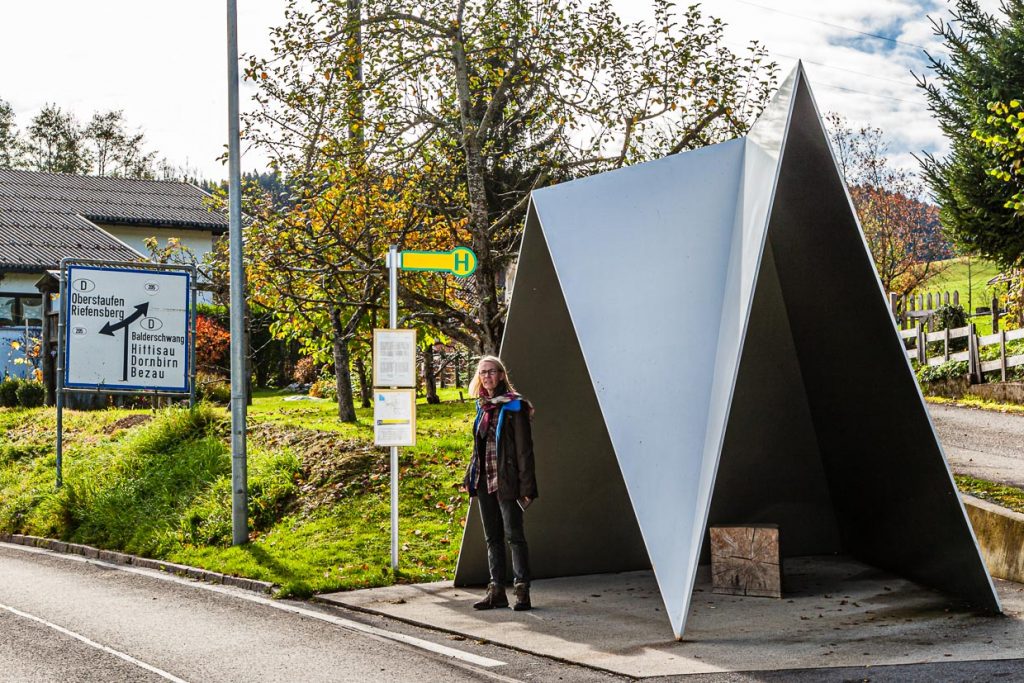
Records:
x=325, y=387
x=212, y=342
x=951, y=317
x=306, y=371
x=31, y=394
x=949, y=370
x=9, y=392
x=213, y=388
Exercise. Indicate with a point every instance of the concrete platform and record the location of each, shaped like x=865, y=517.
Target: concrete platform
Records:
x=835, y=612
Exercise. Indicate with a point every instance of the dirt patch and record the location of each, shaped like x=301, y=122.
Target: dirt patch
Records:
x=332, y=467
x=127, y=422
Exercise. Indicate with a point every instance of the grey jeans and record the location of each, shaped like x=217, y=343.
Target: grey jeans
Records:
x=503, y=522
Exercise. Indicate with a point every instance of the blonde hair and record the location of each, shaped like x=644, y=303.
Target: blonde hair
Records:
x=476, y=387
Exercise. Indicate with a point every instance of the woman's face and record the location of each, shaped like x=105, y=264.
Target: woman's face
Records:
x=490, y=376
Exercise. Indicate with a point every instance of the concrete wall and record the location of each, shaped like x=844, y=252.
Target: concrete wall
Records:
x=1000, y=534
x=1001, y=392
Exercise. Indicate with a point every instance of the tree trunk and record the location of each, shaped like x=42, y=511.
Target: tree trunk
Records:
x=491, y=325
x=365, y=390
x=428, y=375
x=343, y=376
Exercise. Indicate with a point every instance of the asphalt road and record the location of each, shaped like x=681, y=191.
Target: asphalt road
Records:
x=65, y=619
x=982, y=443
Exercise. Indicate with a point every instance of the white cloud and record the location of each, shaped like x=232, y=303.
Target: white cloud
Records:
x=164, y=64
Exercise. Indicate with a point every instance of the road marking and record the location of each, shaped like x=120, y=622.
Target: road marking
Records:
x=93, y=643
x=348, y=624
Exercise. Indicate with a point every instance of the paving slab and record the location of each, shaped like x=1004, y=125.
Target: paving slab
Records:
x=835, y=612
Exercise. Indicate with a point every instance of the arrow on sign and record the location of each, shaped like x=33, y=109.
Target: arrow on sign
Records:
x=109, y=330
x=140, y=310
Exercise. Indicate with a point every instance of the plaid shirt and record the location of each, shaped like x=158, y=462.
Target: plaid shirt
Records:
x=490, y=463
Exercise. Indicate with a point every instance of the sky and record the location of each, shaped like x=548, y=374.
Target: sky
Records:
x=164, y=64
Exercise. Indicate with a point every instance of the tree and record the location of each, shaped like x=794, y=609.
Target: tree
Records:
x=10, y=145
x=55, y=143
x=984, y=64
x=483, y=101
x=117, y=151
x=902, y=232
x=307, y=264
x=1003, y=137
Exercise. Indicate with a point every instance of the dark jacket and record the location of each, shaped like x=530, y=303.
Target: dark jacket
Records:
x=515, y=452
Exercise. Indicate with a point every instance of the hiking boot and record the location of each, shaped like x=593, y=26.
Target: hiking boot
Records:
x=495, y=598
x=522, y=593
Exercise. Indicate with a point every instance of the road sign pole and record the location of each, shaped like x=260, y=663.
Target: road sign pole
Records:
x=393, y=323
x=61, y=301
x=239, y=475
x=193, y=302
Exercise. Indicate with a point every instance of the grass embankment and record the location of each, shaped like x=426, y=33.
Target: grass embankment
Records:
x=158, y=484
x=954, y=275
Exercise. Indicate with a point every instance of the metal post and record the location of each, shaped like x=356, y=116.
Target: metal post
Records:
x=60, y=377
x=192, y=347
x=393, y=324
x=972, y=354
x=239, y=476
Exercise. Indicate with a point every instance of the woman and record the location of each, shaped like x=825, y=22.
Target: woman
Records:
x=500, y=475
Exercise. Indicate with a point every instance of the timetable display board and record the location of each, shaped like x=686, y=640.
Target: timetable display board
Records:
x=394, y=358
x=394, y=417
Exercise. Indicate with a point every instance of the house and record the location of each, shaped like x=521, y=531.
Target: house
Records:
x=45, y=217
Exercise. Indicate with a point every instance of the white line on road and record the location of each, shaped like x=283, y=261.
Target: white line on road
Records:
x=366, y=629
x=92, y=643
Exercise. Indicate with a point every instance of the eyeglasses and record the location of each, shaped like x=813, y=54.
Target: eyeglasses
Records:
x=487, y=373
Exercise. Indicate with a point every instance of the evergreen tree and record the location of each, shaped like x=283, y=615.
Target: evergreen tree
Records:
x=985, y=63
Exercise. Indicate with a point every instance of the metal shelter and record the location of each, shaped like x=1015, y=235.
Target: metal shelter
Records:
x=666, y=321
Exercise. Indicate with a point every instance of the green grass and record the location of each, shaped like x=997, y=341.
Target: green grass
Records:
x=971, y=282
x=971, y=401
x=319, y=491
x=1008, y=497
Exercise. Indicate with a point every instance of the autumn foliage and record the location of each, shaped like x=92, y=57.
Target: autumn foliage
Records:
x=902, y=232
x=212, y=342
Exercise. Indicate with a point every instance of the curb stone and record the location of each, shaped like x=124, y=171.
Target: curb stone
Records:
x=141, y=562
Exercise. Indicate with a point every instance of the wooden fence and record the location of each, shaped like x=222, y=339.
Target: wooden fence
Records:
x=917, y=308
x=918, y=339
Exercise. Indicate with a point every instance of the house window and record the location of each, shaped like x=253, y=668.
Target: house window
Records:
x=18, y=309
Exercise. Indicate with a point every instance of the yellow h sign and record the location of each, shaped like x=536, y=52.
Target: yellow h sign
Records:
x=460, y=261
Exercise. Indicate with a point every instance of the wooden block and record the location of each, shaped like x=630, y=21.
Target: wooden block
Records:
x=745, y=560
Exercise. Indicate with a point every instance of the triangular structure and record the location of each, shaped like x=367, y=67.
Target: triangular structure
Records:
x=706, y=341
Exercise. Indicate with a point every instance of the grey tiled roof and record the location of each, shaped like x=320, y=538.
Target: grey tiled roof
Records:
x=31, y=241
x=46, y=216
